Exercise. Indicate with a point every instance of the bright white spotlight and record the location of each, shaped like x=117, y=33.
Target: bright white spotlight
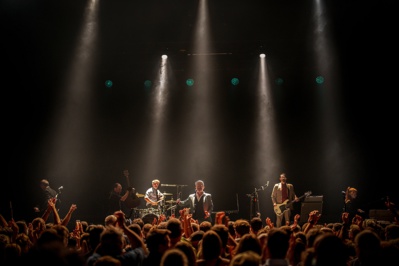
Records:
x=262, y=55
x=164, y=56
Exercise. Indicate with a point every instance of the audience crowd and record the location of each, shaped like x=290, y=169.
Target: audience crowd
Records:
x=182, y=241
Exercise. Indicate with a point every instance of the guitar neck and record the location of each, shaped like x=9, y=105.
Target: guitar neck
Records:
x=301, y=197
x=126, y=174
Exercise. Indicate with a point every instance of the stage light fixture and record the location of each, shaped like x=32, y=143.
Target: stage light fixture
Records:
x=108, y=83
x=319, y=80
x=147, y=84
x=235, y=81
x=190, y=82
x=279, y=81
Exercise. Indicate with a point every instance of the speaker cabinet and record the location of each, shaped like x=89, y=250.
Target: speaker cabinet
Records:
x=307, y=207
x=381, y=215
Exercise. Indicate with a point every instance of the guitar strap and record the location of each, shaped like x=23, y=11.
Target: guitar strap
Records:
x=156, y=193
x=284, y=192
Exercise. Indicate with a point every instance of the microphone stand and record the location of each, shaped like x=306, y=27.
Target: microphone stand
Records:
x=179, y=189
x=254, y=206
x=58, y=201
x=344, y=198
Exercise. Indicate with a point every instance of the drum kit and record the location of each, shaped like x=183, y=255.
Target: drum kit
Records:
x=149, y=214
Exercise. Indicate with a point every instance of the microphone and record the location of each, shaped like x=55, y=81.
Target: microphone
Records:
x=265, y=186
x=343, y=192
x=61, y=187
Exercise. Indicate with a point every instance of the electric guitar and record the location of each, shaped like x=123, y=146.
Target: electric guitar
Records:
x=279, y=209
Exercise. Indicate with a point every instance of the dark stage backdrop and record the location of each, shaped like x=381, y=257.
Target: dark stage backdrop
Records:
x=40, y=40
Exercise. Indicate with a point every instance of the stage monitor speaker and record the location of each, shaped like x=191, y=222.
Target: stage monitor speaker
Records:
x=307, y=207
x=381, y=215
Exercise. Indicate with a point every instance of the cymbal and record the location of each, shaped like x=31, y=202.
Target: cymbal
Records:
x=170, y=201
x=167, y=194
x=139, y=195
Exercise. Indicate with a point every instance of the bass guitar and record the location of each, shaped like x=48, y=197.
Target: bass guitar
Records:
x=132, y=200
x=279, y=209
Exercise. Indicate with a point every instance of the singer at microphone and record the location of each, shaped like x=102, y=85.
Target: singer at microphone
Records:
x=199, y=203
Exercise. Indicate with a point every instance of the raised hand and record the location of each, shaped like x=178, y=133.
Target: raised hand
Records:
x=269, y=222
x=314, y=217
x=358, y=220
x=296, y=219
x=73, y=208
x=219, y=217
x=226, y=220
x=344, y=217
x=162, y=218
x=121, y=219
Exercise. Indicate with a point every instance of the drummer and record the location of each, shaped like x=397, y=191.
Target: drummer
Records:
x=153, y=197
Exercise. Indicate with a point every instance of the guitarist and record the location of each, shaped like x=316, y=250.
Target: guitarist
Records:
x=46, y=193
x=281, y=192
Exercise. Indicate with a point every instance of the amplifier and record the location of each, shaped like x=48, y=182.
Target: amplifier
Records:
x=307, y=207
x=314, y=199
x=381, y=215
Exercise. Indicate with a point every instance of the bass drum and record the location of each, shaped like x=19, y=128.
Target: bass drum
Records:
x=149, y=218
x=140, y=213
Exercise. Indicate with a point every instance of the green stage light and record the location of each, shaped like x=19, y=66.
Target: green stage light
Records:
x=108, y=83
x=279, y=81
x=147, y=84
x=190, y=82
x=319, y=79
x=235, y=81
